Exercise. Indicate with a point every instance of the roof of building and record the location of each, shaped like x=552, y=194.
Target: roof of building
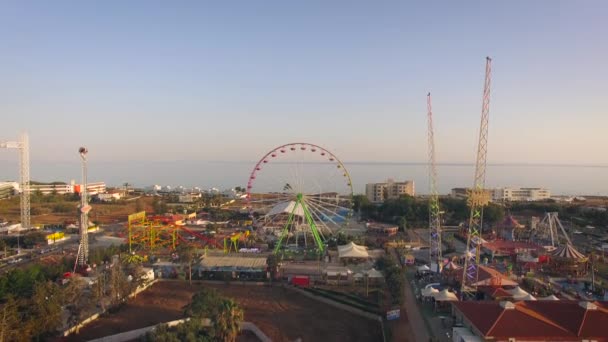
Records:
x=541, y=320
x=488, y=276
x=502, y=245
x=236, y=262
x=494, y=291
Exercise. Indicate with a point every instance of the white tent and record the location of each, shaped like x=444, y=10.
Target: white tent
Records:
x=373, y=273
x=429, y=292
x=528, y=297
x=423, y=268
x=518, y=292
x=286, y=207
x=352, y=250
x=358, y=276
x=551, y=297
x=452, y=266
x=444, y=296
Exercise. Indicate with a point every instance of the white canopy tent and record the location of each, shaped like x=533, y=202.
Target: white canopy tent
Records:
x=518, y=292
x=286, y=208
x=528, y=297
x=551, y=297
x=445, y=296
x=429, y=292
x=374, y=273
x=352, y=250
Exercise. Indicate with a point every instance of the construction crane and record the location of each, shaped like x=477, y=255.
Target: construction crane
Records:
x=23, y=146
x=434, y=211
x=478, y=197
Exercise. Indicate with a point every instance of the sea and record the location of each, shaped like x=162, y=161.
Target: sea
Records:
x=567, y=180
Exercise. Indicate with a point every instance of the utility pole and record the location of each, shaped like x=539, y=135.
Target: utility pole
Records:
x=478, y=198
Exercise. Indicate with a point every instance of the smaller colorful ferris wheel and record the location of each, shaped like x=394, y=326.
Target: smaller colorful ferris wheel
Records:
x=300, y=192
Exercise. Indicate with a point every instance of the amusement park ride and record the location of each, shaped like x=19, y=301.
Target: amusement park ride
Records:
x=477, y=197
x=295, y=193
x=435, y=257
x=299, y=191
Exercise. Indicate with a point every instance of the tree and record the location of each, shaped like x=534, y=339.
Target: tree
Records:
x=272, y=262
x=360, y=201
x=224, y=314
x=118, y=284
x=10, y=321
x=226, y=323
x=187, y=256
x=139, y=205
x=493, y=213
x=46, y=311
x=402, y=223
x=73, y=298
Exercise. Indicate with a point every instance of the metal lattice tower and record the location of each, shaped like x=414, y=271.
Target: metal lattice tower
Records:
x=478, y=197
x=83, y=247
x=23, y=146
x=434, y=211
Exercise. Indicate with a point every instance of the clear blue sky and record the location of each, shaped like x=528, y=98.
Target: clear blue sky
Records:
x=229, y=80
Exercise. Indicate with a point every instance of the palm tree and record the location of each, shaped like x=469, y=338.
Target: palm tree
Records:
x=226, y=323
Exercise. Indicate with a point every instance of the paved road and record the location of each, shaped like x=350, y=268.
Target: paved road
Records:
x=417, y=329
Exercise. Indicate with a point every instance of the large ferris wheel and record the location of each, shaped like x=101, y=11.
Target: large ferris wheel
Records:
x=300, y=192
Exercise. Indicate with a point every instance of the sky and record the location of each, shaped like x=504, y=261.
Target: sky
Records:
x=230, y=80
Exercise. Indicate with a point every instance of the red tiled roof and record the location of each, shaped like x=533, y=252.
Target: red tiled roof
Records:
x=481, y=314
x=494, y=291
x=510, y=245
x=488, y=275
x=544, y=320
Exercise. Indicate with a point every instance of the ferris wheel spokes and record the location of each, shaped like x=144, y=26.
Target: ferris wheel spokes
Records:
x=323, y=215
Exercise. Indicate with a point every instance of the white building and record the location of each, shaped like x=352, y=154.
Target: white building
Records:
x=8, y=189
x=56, y=188
x=378, y=192
x=509, y=194
x=520, y=194
x=188, y=198
x=108, y=197
x=92, y=188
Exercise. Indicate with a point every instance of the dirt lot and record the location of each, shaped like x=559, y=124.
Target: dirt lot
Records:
x=280, y=313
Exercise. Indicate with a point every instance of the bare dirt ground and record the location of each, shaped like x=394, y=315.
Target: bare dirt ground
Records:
x=280, y=313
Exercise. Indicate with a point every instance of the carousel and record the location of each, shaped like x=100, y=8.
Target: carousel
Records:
x=566, y=260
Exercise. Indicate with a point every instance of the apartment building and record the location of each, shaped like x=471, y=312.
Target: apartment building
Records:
x=53, y=188
x=378, y=192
